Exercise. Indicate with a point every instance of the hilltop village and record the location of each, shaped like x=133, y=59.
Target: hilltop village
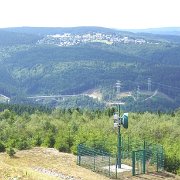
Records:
x=68, y=39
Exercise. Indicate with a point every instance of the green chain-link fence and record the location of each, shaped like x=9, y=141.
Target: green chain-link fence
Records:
x=140, y=155
x=97, y=160
x=145, y=161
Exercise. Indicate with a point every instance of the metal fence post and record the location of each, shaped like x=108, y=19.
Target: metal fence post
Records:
x=144, y=144
x=162, y=159
x=79, y=155
x=128, y=147
x=94, y=161
x=144, y=161
x=116, y=165
x=157, y=162
x=109, y=165
x=133, y=163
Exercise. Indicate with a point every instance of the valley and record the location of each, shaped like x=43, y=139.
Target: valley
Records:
x=72, y=61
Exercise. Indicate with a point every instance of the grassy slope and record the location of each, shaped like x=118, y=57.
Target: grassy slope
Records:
x=48, y=163
x=43, y=163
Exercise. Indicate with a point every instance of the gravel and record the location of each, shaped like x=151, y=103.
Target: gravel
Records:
x=55, y=174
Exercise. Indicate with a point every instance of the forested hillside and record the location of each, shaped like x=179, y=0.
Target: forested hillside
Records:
x=162, y=31
x=54, y=61
x=65, y=129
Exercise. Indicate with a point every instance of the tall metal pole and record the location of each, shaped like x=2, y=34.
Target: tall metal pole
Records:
x=119, y=146
x=119, y=138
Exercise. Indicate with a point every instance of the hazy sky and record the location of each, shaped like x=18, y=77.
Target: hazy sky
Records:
x=122, y=14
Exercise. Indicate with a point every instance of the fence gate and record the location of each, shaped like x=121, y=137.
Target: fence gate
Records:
x=160, y=161
x=146, y=160
x=138, y=162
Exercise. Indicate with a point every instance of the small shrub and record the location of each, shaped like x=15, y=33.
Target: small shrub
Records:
x=2, y=147
x=22, y=145
x=37, y=141
x=11, y=152
x=49, y=141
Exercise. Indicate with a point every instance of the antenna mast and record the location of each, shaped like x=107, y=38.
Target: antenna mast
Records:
x=118, y=86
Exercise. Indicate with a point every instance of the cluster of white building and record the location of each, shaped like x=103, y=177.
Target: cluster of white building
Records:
x=68, y=39
x=4, y=98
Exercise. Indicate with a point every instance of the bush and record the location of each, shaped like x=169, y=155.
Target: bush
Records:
x=2, y=147
x=37, y=141
x=172, y=164
x=11, y=152
x=49, y=141
x=62, y=147
x=22, y=145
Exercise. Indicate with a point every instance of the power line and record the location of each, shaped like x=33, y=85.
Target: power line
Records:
x=150, y=83
x=166, y=85
x=160, y=84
